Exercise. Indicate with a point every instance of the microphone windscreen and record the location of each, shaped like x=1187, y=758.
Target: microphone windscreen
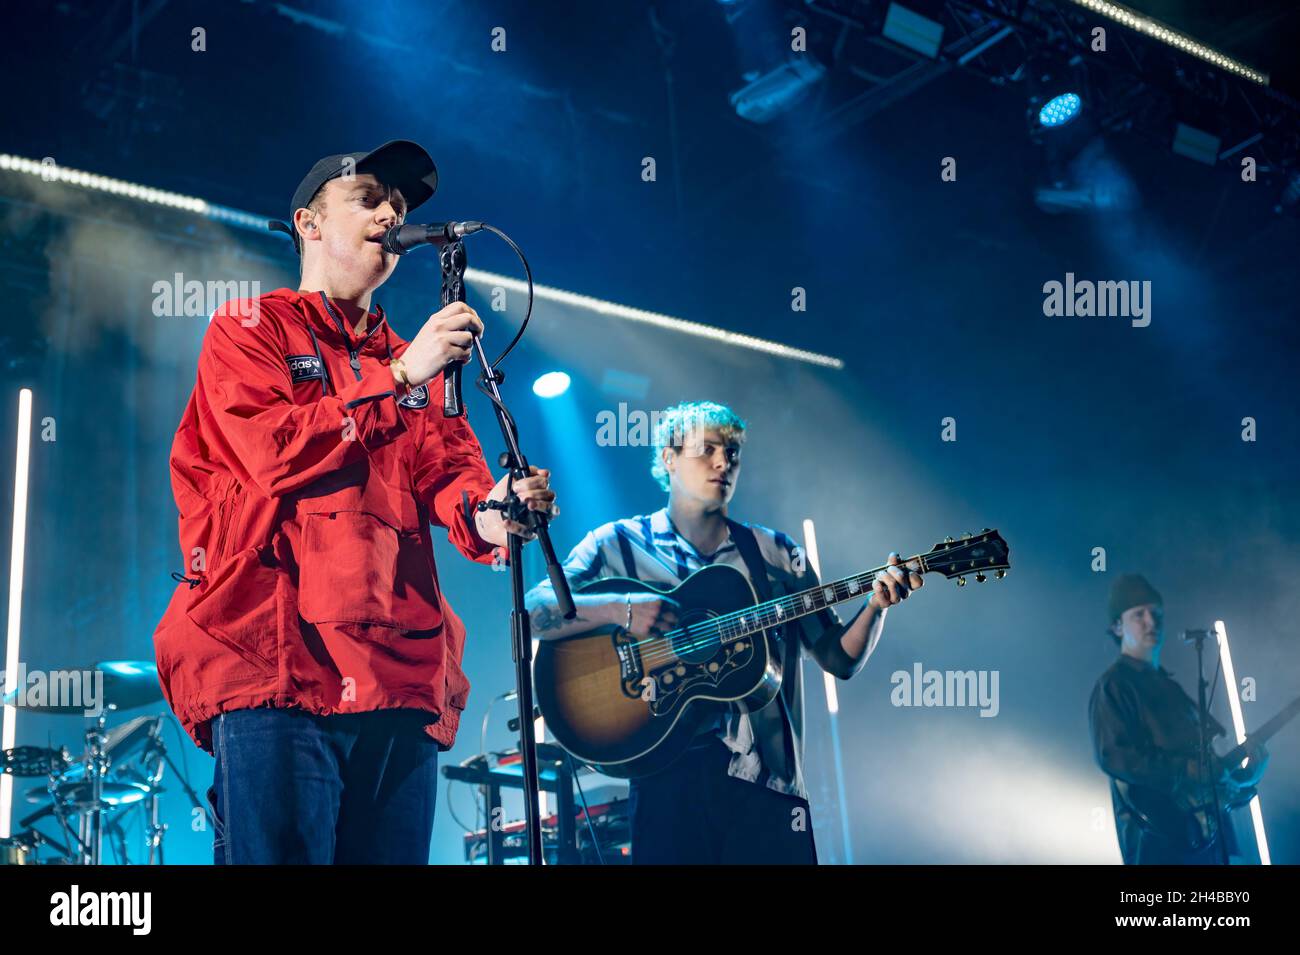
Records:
x=401, y=239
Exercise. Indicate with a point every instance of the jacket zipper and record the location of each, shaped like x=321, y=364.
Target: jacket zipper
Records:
x=228, y=513
x=222, y=524
x=353, y=358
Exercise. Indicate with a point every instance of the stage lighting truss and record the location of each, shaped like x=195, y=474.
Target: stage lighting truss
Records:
x=1150, y=79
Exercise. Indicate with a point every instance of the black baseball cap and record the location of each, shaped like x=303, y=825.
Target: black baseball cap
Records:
x=401, y=164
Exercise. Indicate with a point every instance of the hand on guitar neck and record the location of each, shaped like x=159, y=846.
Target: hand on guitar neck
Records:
x=892, y=587
x=1230, y=778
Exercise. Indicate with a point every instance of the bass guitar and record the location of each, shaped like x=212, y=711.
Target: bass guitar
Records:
x=1191, y=816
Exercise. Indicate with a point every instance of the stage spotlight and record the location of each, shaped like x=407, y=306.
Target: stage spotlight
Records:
x=551, y=385
x=779, y=90
x=908, y=28
x=1196, y=144
x=1059, y=110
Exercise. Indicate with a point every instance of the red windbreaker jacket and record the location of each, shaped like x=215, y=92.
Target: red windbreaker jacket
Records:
x=306, y=485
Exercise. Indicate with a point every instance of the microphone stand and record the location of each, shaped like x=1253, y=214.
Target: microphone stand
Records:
x=452, y=259
x=1198, y=638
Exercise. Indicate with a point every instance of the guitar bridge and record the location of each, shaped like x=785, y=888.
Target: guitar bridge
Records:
x=630, y=670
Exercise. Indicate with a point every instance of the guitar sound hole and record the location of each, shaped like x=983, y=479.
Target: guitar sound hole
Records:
x=695, y=642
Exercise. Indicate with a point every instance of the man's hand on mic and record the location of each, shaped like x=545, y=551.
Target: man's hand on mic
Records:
x=535, y=491
x=445, y=338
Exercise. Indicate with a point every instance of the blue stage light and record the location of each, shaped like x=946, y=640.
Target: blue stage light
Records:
x=551, y=385
x=1059, y=110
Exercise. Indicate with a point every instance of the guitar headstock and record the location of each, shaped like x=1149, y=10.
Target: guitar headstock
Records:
x=971, y=554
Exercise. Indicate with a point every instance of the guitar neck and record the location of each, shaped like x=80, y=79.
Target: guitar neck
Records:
x=978, y=554
x=781, y=610
x=1265, y=732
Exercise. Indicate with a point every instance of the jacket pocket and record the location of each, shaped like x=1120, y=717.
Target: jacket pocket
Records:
x=236, y=608
x=355, y=567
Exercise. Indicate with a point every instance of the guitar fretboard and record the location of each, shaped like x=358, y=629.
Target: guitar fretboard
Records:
x=781, y=610
x=1264, y=733
x=984, y=552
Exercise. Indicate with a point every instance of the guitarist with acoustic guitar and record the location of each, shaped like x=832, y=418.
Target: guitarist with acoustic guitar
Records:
x=1146, y=737
x=733, y=791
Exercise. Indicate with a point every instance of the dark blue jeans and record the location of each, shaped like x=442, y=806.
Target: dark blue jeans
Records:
x=693, y=813
x=292, y=788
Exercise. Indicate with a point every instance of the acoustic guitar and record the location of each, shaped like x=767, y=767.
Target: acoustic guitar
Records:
x=629, y=703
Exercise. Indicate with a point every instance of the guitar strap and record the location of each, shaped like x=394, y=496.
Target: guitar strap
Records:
x=776, y=746
x=747, y=544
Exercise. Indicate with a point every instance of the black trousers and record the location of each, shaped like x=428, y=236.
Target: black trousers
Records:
x=1140, y=847
x=693, y=813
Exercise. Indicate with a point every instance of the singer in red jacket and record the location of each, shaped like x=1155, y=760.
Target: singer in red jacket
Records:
x=309, y=646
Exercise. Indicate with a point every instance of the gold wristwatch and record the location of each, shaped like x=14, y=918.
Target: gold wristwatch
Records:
x=400, y=367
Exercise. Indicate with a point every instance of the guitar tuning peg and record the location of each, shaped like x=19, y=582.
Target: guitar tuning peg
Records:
x=961, y=581
x=948, y=540
x=980, y=578
x=965, y=536
x=986, y=530
x=1000, y=574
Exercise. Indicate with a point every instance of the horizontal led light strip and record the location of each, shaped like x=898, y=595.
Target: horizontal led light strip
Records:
x=52, y=172
x=1158, y=31
x=655, y=318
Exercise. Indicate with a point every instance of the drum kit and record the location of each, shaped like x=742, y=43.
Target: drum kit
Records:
x=93, y=795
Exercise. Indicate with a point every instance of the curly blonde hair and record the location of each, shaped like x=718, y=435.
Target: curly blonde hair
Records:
x=675, y=423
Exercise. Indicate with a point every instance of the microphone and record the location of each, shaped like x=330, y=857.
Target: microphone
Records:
x=401, y=239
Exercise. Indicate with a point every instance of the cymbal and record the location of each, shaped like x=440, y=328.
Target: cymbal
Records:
x=32, y=761
x=127, y=684
x=77, y=796
x=130, y=683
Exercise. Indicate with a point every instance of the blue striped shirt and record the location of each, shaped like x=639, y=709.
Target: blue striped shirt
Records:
x=766, y=745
